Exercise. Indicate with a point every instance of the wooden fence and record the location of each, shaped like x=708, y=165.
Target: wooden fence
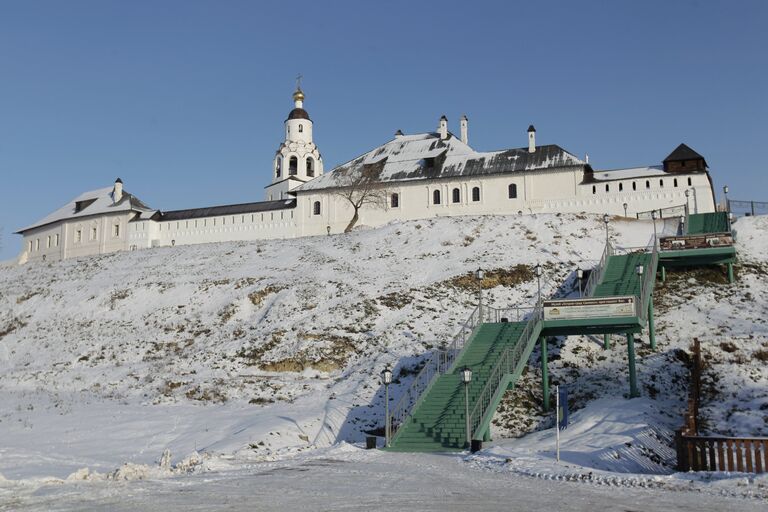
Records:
x=714, y=453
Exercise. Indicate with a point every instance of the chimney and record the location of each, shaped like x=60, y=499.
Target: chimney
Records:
x=531, y=139
x=464, y=129
x=443, y=127
x=398, y=134
x=117, y=193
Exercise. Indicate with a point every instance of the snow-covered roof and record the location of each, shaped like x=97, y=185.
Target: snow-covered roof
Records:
x=427, y=156
x=628, y=174
x=94, y=202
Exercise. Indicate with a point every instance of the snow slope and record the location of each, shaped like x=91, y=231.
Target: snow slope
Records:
x=258, y=351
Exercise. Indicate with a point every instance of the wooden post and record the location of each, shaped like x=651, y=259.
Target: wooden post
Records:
x=682, y=452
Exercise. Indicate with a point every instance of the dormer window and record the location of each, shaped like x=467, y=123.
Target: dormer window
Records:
x=82, y=205
x=429, y=163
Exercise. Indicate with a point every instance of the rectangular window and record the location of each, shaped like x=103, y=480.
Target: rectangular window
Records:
x=48, y=242
x=57, y=240
x=93, y=233
x=37, y=244
x=29, y=246
x=116, y=230
x=78, y=236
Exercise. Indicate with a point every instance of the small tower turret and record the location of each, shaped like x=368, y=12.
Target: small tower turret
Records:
x=531, y=139
x=464, y=125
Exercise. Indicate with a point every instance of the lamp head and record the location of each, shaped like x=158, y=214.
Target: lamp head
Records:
x=466, y=375
x=725, y=189
x=687, y=192
x=639, y=270
x=653, y=214
x=480, y=274
x=386, y=376
x=606, y=218
x=579, y=273
x=537, y=270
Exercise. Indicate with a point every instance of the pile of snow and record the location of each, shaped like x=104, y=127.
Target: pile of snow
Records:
x=265, y=350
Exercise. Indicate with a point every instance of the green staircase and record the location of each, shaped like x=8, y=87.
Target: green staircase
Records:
x=703, y=223
x=438, y=422
x=620, y=276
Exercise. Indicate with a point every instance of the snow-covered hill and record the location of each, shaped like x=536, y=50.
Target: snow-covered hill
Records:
x=251, y=350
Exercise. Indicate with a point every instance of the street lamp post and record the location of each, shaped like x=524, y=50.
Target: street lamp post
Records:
x=725, y=192
x=466, y=378
x=606, y=219
x=687, y=195
x=480, y=274
x=653, y=216
x=386, y=379
x=625, y=209
x=580, y=275
x=682, y=225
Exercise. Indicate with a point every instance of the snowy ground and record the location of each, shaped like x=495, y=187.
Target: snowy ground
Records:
x=349, y=478
x=257, y=353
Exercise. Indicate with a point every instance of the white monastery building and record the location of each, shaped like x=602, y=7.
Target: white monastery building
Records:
x=410, y=177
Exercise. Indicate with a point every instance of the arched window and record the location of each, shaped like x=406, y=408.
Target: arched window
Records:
x=310, y=167
x=661, y=183
x=456, y=195
x=621, y=187
x=278, y=167
x=689, y=182
x=316, y=208
x=512, y=191
x=647, y=184
x=674, y=183
x=293, y=166
x=301, y=128
x=594, y=189
x=607, y=187
x=436, y=197
x=634, y=185
x=394, y=201
x=475, y=194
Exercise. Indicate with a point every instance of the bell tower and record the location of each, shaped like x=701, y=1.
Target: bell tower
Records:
x=297, y=160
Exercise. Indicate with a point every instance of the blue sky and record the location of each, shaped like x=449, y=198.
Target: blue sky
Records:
x=185, y=100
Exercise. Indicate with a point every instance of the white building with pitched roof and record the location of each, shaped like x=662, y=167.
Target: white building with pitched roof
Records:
x=409, y=177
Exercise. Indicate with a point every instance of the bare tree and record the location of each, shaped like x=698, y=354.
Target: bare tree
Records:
x=361, y=187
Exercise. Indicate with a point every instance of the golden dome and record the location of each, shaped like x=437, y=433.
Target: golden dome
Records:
x=298, y=95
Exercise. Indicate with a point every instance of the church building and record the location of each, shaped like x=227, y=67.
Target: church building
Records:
x=409, y=177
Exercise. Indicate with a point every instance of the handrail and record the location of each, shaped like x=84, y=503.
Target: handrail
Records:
x=649, y=277
x=672, y=211
x=437, y=364
x=507, y=361
x=597, y=273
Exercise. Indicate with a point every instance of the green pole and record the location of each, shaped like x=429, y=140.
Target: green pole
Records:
x=663, y=274
x=487, y=435
x=651, y=324
x=607, y=341
x=730, y=273
x=633, y=392
x=544, y=372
